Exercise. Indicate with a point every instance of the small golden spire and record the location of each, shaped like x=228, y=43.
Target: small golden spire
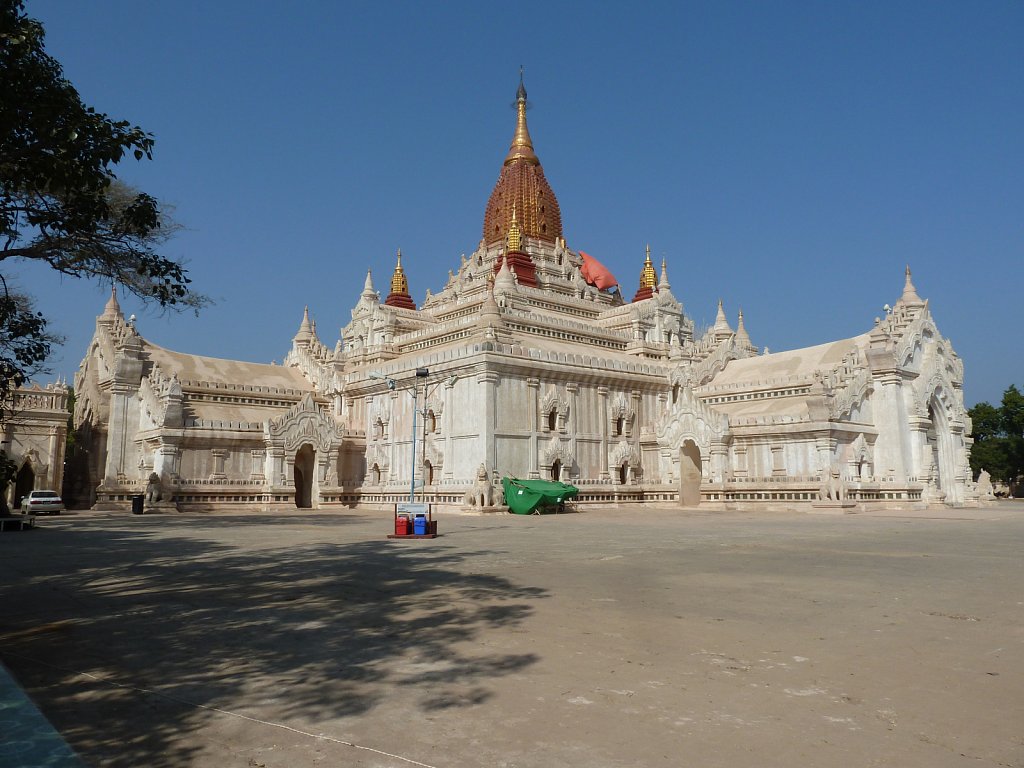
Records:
x=515, y=235
x=399, y=282
x=648, y=278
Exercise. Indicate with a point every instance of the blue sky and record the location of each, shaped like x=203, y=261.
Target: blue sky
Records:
x=787, y=157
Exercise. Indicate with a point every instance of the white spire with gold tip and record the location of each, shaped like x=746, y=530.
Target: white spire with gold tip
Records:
x=663, y=282
x=369, y=292
x=505, y=279
x=305, y=332
x=742, y=337
x=910, y=297
x=722, y=328
x=112, y=309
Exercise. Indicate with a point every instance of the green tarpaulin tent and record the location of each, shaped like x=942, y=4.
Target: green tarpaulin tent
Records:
x=524, y=496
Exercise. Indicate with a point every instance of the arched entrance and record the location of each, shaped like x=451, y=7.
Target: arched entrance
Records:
x=689, y=474
x=305, y=461
x=23, y=483
x=556, y=470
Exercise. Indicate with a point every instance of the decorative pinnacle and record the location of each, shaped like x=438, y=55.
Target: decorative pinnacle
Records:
x=515, y=235
x=522, y=144
x=112, y=308
x=742, y=337
x=305, y=329
x=722, y=327
x=648, y=278
x=909, y=292
x=399, y=282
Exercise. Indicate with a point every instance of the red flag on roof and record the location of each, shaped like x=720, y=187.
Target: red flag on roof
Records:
x=596, y=273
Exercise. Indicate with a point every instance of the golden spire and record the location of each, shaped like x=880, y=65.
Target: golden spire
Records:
x=515, y=235
x=648, y=278
x=522, y=145
x=399, y=283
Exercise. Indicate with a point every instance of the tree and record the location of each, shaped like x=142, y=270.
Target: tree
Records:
x=999, y=439
x=59, y=202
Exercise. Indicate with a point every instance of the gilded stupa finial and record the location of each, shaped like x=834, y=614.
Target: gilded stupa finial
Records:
x=399, y=282
x=648, y=278
x=399, y=296
x=522, y=144
x=515, y=235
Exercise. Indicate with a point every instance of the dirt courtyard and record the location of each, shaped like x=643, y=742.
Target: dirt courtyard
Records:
x=615, y=637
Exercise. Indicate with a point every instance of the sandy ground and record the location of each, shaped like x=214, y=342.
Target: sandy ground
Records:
x=632, y=637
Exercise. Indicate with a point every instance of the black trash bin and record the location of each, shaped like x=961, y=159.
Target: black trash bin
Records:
x=138, y=504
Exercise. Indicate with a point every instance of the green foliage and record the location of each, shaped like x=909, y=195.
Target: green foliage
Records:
x=59, y=201
x=24, y=343
x=1013, y=412
x=999, y=438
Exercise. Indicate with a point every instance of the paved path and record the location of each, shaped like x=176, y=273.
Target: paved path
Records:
x=617, y=638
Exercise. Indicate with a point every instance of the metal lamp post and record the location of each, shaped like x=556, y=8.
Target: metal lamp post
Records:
x=421, y=373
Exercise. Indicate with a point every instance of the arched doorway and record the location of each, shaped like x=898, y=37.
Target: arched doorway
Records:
x=556, y=470
x=689, y=474
x=23, y=483
x=428, y=473
x=375, y=474
x=624, y=473
x=305, y=461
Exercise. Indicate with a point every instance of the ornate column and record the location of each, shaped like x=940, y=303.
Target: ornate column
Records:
x=824, y=446
x=447, y=447
x=259, y=460
x=332, y=467
x=634, y=432
x=389, y=432
x=602, y=393
x=490, y=445
x=123, y=412
x=532, y=395
x=719, y=460
x=165, y=462
x=572, y=388
x=218, y=455
x=274, y=471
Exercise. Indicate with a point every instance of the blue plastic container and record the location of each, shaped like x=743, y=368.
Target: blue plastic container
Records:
x=419, y=525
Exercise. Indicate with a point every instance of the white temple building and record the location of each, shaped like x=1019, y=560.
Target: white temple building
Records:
x=529, y=361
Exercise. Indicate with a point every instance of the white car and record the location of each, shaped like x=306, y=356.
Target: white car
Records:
x=42, y=502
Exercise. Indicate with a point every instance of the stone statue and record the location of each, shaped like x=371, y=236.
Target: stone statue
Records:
x=154, y=489
x=985, y=489
x=482, y=493
x=833, y=488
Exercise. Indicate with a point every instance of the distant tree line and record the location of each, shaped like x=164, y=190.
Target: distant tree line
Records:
x=999, y=440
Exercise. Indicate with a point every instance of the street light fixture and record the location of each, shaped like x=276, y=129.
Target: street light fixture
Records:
x=421, y=373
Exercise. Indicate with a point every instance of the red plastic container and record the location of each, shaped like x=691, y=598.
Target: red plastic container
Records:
x=401, y=526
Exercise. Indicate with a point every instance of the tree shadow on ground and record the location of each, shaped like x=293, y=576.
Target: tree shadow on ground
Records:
x=309, y=631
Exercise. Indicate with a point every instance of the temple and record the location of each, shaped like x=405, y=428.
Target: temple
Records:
x=530, y=361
